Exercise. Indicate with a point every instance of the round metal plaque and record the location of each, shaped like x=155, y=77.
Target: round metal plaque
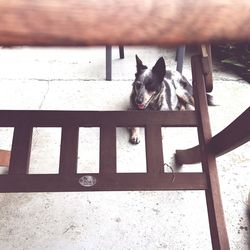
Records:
x=87, y=181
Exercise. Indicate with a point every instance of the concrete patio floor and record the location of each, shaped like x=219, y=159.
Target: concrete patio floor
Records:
x=74, y=79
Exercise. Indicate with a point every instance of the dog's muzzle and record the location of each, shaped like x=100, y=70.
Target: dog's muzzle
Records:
x=141, y=105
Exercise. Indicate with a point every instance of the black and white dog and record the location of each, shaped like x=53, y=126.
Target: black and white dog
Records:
x=160, y=90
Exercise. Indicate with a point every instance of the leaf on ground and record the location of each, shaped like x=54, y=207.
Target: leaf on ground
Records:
x=234, y=63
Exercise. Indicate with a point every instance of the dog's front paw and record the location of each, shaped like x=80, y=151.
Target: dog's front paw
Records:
x=134, y=139
x=135, y=136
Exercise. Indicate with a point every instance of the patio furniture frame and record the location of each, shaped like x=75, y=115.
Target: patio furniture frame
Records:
x=14, y=32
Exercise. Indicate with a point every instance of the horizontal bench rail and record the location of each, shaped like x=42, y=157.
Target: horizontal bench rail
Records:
x=102, y=182
x=11, y=118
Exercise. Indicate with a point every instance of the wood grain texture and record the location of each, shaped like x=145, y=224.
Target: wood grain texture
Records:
x=110, y=22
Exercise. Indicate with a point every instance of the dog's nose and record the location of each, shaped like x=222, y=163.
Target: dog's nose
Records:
x=139, y=100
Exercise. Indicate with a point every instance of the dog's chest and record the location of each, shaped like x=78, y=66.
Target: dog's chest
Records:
x=165, y=100
x=168, y=99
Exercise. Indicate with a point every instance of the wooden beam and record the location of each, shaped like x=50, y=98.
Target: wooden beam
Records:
x=188, y=156
x=69, y=151
x=107, y=149
x=11, y=118
x=217, y=225
x=154, y=150
x=104, y=182
x=21, y=148
x=113, y=22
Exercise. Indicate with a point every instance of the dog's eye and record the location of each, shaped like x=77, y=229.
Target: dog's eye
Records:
x=137, y=85
x=149, y=85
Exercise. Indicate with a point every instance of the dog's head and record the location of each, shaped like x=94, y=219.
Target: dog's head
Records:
x=147, y=83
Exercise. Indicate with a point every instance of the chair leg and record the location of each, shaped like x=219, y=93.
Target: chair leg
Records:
x=217, y=225
x=121, y=52
x=108, y=63
x=180, y=54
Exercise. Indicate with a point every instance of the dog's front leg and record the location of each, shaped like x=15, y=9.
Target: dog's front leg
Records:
x=134, y=135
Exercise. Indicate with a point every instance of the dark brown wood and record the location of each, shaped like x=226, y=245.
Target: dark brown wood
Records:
x=94, y=22
x=107, y=149
x=69, y=151
x=4, y=158
x=188, y=156
x=214, y=205
x=234, y=135
x=104, y=182
x=20, y=151
x=154, y=151
x=11, y=118
x=207, y=66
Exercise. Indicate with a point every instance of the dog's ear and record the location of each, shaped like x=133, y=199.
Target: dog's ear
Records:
x=139, y=64
x=160, y=68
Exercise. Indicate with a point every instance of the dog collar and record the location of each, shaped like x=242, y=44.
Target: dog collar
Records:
x=154, y=96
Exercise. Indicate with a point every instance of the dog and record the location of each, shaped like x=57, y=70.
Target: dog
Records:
x=158, y=89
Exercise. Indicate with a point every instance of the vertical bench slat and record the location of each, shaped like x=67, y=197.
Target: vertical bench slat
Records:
x=20, y=152
x=107, y=149
x=69, y=150
x=154, y=151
